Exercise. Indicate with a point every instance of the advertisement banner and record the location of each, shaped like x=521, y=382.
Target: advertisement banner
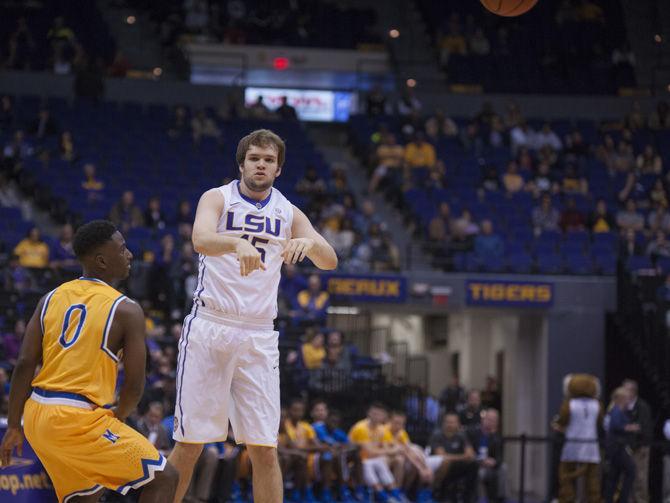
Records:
x=26, y=480
x=502, y=293
x=366, y=288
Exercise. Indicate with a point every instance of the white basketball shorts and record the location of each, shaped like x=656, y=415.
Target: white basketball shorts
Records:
x=227, y=369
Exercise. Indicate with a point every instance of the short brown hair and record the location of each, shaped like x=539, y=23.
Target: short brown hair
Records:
x=261, y=138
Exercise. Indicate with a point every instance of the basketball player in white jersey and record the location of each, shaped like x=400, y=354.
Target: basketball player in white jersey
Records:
x=228, y=366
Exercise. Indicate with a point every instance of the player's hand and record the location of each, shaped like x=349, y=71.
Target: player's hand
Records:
x=297, y=249
x=248, y=257
x=13, y=439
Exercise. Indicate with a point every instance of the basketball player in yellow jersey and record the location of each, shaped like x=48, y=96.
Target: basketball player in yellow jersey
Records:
x=79, y=333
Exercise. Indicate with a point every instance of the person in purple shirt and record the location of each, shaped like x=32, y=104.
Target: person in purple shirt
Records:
x=61, y=253
x=11, y=341
x=617, y=447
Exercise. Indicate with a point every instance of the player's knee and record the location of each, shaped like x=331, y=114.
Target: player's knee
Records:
x=262, y=457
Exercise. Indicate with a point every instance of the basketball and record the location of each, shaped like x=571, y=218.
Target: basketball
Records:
x=509, y=8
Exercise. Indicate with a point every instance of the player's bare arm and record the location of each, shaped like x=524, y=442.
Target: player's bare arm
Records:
x=29, y=357
x=129, y=320
x=308, y=243
x=208, y=242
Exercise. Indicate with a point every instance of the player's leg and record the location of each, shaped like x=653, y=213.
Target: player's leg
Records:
x=205, y=366
x=266, y=475
x=183, y=457
x=255, y=410
x=162, y=488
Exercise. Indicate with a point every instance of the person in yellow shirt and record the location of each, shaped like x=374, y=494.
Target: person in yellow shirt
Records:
x=419, y=153
x=376, y=447
x=298, y=456
x=78, y=335
x=410, y=463
x=314, y=351
x=32, y=251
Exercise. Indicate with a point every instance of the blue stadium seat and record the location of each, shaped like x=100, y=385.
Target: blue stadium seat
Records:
x=521, y=263
x=639, y=262
x=549, y=263
x=579, y=264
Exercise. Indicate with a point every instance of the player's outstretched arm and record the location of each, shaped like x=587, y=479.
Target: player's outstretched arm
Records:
x=29, y=356
x=208, y=242
x=130, y=316
x=307, y=242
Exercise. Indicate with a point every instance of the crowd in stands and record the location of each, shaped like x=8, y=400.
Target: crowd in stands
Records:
x=62, y=37
x=499, y=192
x=261, y=22
x=572, y=46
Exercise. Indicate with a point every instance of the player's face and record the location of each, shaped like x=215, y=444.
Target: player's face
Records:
x=397, y=423
x=260, y=167
x=320, y=412
x=117, y=257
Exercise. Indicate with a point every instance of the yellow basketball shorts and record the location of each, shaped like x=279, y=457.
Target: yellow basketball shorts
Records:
x=84, y=449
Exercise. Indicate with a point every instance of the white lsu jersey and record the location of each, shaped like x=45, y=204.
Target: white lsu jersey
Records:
x=267, y=226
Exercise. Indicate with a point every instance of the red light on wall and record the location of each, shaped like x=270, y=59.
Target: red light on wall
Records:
x=280, y=63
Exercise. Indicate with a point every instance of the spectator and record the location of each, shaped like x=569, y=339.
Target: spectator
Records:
x=180, y=124
x=125, y=214
x=649, y=162
x=6, y=114
x=204, y=126
x=68, y=152
x=313, y=351
x=439, y=227
x=453, y=396
x=630, y=218
x=17, y=278
x=490, y=395
x=151, y=426
x=471, y=414
x=32, y=251
x=666, y=461
x=512, y=180
x=285, y=111
x=642, y=424
x=153, y=216
x=311, y=183
x=573, y=183
x=291, y=282
x=184, y=214
x=543, y=181
x=659, y=247
x=657, y=194
x=62, y=254
x=342, y=239
x=546, y=137
x=21, y=47
x=575, y=147
x=302, y=441
x=329, y=433
x=601, y=219
x=491, y=181
x=11, y=342
x=479, y=44
x=337, y=353
x=120, y=66
x=520, y=136
x=389, y=157
x=18, y=149
x=660, y=118
x=60, y=35
x=629, y=246
x=419, y=153
x=659, y=218
x=91, y=184
x=376, y=102
x=617, y=447
x=439, y=125
x=408, y=104
x=487, y=244
x=44, y=125
x=258, y=110
x=488, y=445
x=545, y=217
x=571, y=218
x=452, y=42
x=8, y=193
x=622, y=159
x=410, y=463
x=311, y=304
x=375, y=443
x=452, y=460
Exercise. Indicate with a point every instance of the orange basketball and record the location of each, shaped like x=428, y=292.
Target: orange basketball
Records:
x=508, y=8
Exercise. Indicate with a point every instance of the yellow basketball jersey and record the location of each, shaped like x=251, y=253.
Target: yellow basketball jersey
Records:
x=76, y=319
